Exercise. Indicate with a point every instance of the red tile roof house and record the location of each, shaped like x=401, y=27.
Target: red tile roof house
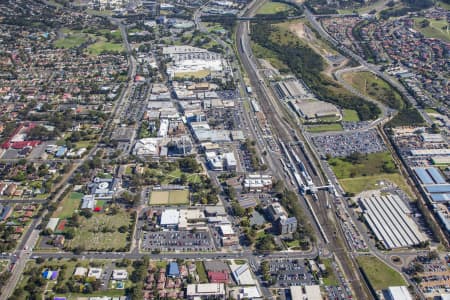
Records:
x=218, y=277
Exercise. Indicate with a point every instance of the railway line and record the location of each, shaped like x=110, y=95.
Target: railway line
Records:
x=332, y=238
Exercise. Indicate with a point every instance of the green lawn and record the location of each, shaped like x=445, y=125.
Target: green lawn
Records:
x=431, y=111
x=325, y=128
x=359, y=184
x=68, y=205
x=200, y=268
x=71, y=39
x=270, y=8
x=95, y=233
x=380, y=275
x=83, y=144
x=375, y=87
x=370, y=164
x=443, y=5
x=366, y=175
x=330, y=279
x=350, y=115
x=102, y=45
x=438, y=29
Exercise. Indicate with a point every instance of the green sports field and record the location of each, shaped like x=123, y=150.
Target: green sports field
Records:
x=173, y=197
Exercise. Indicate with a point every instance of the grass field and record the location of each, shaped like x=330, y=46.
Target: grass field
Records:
x=198, y=74
x=72, y=39
x=175, y=197
x=325, y=128
x=100, y=232
x=371, y=85
x=350, y=115
x=68, y=205
x=83, y=144
x=270, y=8
x=359, y=184
x=380, y=275
x=438, y=29
x=102, y=45
x=330, y=279
x=200, y=268
x=431, y=111
x=371, y=164
x=368, y=173
x=443, y=5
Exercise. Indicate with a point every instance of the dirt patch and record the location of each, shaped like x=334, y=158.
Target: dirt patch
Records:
x=302, y=31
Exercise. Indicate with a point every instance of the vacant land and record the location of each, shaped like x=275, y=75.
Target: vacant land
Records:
x=71, y=39
x=359, y=184
x=68, y=205
x=350, y=115
x=375, y=87
x=200, y=268
x=100, y=232
x=365, y=165
x=270, y=8
x=437, y=29
x=271, y=57
x=378, y=273
x=175, y=197
x=325, y=128
x=367, y=172
x=198, y=74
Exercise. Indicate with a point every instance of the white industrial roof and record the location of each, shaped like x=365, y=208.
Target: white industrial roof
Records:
x=226, y=229
x=309, y=292
x=399, y=293
x=52, y=223
x=170, y=217
x=205, y=289
x=388, y=217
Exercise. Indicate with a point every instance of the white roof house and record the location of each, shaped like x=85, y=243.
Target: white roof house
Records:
x=95, y=273
x=80, y=271
x=120, y=274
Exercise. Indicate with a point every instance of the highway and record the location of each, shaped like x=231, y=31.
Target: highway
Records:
x=278, y=117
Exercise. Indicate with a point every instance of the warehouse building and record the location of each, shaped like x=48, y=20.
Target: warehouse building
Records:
x=389, y=219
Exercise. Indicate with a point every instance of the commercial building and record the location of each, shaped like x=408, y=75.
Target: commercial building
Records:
x=286, y=225
x=308, y=292
x=257, y=182
x=170, y=218
x=206, y=291
x=398, y=293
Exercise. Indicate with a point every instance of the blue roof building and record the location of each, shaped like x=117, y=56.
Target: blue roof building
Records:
x=174, y=271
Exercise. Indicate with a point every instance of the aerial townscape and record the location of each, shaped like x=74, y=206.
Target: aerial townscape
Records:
x=224, y=149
